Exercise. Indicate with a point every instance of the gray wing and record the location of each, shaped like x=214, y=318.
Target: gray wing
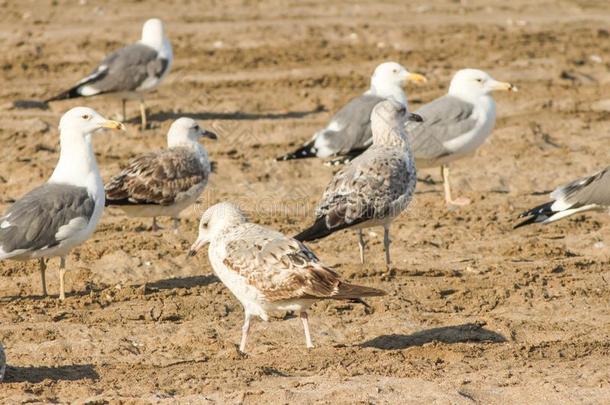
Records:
x=157, y=178
x=44, y=217
x=444, y=119
x=373, y=186
x=589, y=190
x=349, y=129
x=126, y=69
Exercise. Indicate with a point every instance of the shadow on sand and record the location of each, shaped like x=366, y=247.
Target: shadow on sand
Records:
x=470, y=332
x=38, y=374
x=236, y=115
x=183, y=282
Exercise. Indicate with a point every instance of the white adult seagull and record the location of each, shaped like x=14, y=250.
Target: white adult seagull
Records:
x=130, y=71
x=268, y=271
x=349, y=130
x=61, y=214
x=455, y=125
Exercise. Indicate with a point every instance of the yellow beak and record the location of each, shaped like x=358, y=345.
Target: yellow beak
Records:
x=113, y=125
x=416, y=78
x=504, y=86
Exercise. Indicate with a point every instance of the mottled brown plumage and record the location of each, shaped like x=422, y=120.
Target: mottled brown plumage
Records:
x=157, y=178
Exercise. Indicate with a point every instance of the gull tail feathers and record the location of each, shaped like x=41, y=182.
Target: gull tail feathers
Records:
x=537, y=214
x=356, y=292
x=65, y=95
x=306, y=151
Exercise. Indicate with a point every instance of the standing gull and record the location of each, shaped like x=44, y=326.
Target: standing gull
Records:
x=166, y=182
x=61, y=214
x=455, y=125
x=130, y=71
x=374, y=188
x=266, y=270
x=349, y=131
x=584, y=194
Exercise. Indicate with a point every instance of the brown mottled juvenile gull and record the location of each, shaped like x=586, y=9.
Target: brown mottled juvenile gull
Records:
x=455, y=125
x=266, y=270
x=375, y=187
x=349, y=131
x=166, y=182
x=61, y=214
x=129, y=72
x=584, y=194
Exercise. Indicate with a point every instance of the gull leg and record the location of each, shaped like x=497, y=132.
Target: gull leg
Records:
x=143, y=113
x=305, y=321
x=244, y=333
x=461, y=201
x=62, y=273
x=124, y=117
x=43, y=268
x=176, y=225
x=155, y=227
x=361, y=244
x=386, y=245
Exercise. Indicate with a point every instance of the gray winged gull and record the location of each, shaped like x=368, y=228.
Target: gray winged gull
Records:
x=268, y=271
x=584, y=194
x=166, y=182
x=349, y=130
x=61, y=214
x=374, y=188
x=455, y=125
x=130, y=71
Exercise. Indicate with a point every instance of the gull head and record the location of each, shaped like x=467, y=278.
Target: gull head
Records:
x=185, y=131
x=214, y=222
x=152, y=31
x=390, y=77
x=387, y=122
x=470, y=84
x=85, y=121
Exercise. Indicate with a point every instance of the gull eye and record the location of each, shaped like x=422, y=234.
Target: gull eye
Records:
x=85, y=116
x=479, y=80
x=395, y=70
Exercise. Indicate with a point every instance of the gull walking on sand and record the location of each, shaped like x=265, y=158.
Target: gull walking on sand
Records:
x=373, y=189
x=268, y=271
x=61, y=214
x=129, y=72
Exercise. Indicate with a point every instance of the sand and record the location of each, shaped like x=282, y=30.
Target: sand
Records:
x=476, y=312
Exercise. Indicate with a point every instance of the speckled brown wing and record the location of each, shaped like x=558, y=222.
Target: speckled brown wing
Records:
x=157, y=178
x=282, y=268
x=371, y=187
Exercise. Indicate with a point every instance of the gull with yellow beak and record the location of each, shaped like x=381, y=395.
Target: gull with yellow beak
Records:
x=456, y=124
x=348, y=133
x=61, y=214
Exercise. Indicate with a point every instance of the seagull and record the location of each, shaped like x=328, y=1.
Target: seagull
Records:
x=349, y=131
x=374, y=188
x=455, y=125
x=266, y=270
x=130, y=71
x=590, y=193
x=166, y=182
x=61, y=214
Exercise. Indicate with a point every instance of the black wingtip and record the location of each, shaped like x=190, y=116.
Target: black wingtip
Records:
x=306, y=151
x=65, y=95
x=536, y=214
x=317, y=231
